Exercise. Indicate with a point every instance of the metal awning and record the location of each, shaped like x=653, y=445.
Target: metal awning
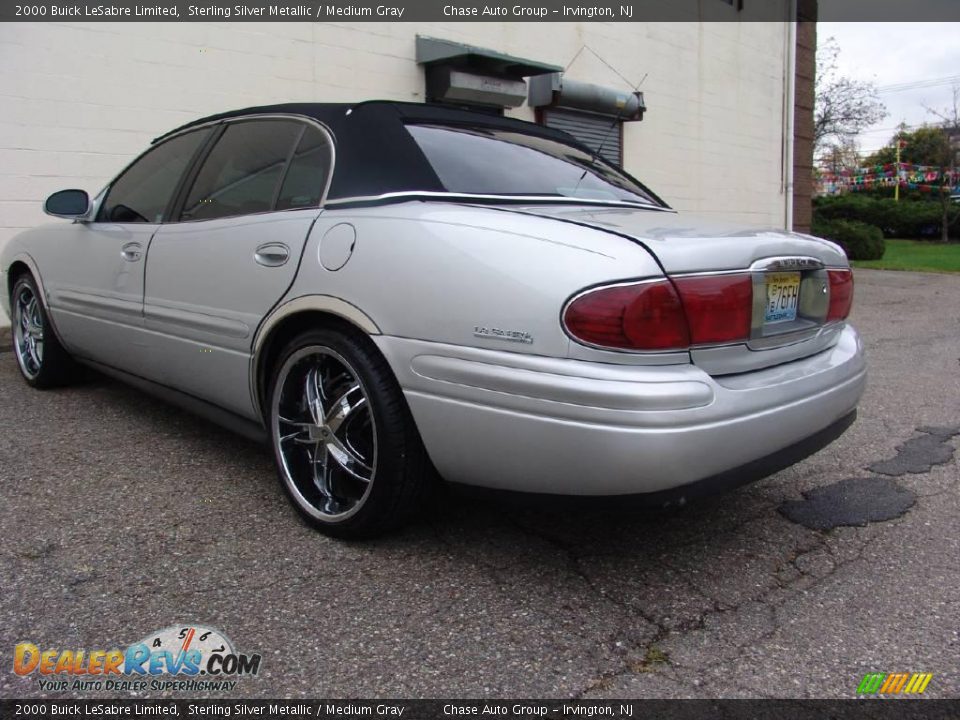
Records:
x=434, y=51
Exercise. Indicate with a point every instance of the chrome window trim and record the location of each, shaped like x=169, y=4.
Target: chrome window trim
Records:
x=259, y=213
x=470, y=197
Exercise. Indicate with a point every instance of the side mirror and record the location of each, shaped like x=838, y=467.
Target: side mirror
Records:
x=67, y=204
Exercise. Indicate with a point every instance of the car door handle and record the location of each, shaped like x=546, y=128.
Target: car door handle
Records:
x=272, y=254
x=131, y=251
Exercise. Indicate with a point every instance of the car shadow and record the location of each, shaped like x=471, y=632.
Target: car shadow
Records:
x=585, y=525
x=671, y=565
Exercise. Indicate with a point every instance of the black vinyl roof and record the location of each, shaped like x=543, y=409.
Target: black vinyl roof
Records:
x=374, y=152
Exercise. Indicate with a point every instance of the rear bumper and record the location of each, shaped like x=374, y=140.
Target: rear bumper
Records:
x=564, y=427
x=682, y=494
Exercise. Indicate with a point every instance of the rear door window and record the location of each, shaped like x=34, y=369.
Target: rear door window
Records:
x=306, y=177
x=243, y=172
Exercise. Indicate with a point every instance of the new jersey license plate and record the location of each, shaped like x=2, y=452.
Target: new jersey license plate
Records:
x=783, y=294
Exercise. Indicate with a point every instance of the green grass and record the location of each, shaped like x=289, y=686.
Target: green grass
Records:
x=918, y=256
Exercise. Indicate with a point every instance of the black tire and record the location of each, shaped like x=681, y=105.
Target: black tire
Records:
x=52, y=366
x=368, y=433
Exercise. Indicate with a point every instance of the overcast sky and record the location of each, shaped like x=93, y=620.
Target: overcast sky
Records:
x=892, y=53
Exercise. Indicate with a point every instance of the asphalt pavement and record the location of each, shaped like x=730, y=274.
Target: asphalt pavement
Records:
x=122, y=515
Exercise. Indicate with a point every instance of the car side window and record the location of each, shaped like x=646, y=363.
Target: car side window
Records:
x=242, y=172
x=143, y=191
x=307, y=175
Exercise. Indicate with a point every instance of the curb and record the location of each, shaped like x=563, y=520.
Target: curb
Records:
x=4, y=338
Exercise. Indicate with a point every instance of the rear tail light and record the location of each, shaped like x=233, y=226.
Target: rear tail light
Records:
x=664, y=315
x=841, y=294
x=719, y=307
x=644, y=316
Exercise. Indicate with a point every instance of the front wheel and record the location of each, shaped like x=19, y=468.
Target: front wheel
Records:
x=42, y=360
x=345, y=445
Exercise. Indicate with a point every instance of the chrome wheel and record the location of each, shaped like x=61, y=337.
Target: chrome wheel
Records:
x=28, y=331
x=324, y=433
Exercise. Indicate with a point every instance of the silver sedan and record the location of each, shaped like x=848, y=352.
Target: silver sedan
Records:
x=389, y=293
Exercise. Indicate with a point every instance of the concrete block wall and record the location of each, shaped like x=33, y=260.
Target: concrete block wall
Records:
x=79, y=100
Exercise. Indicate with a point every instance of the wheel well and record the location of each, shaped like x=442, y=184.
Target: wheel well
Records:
x=16, y=270
x=286, y=330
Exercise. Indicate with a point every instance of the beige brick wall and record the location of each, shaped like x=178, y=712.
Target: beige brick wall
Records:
x=78, y=101
x=803, y=124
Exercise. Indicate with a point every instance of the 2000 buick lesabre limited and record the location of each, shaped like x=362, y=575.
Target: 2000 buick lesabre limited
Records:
x=382, y=289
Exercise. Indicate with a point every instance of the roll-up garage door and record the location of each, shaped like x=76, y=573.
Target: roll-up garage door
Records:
x=595, y=131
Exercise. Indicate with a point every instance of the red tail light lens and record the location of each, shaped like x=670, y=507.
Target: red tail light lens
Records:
x=664, y=315
x=841, y=294
x=644, y=316
x=719, y=307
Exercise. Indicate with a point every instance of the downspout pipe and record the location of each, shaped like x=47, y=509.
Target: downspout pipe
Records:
x=791, y=97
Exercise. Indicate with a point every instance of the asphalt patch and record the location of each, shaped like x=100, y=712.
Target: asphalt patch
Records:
x=853, y=501
x=919, y=454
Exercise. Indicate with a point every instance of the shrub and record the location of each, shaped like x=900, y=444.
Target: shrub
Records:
x=860, y=240
x=911, y=219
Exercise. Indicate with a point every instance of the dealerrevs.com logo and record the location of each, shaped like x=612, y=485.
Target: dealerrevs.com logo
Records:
x=180, y=657
x=894, y=683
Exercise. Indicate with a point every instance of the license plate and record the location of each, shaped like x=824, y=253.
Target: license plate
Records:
x=783, y=292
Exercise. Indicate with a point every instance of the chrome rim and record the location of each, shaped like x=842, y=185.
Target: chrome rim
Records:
x=28, y=331
x=324, y=433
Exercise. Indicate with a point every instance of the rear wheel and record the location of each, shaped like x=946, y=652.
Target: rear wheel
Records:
x=344, y=442
x=42, y=360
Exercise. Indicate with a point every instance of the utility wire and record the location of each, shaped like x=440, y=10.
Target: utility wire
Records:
x=616, y=119
x=918, y=84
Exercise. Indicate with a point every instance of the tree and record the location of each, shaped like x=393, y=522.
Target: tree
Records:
x=949, y=129
x=843, y=107
x=928, y=145
x=840, y=156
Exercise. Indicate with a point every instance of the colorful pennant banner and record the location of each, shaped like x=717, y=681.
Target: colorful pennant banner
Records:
x=924, y=178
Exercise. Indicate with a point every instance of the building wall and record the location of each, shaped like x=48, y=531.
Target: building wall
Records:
x=78, y=101
x=806, y=71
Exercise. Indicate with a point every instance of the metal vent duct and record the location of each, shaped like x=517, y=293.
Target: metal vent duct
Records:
x=556, y=91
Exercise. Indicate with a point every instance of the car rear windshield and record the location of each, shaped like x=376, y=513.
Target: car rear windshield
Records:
x=494, y=161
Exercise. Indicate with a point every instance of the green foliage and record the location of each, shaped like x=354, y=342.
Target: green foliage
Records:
x=858, y=239
x=924, y=146
x=913, y=219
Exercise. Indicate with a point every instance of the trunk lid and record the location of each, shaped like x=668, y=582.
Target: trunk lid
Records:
x=777, y=260
x=688, y=244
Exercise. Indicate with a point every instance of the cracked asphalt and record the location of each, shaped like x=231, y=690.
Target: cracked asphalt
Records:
x=122, y=515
